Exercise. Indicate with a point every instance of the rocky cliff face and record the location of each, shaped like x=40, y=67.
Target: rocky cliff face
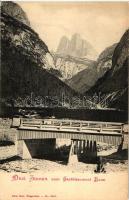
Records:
x=63, y=45
x=114, y=84
x=25, y=63
x=76, y=47
x=22, y=37
x=12, y=9
x=68, y=66
x=86, y=78
x=104, y=61
x=73, y=56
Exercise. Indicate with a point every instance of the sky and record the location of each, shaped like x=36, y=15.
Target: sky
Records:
x=102, y=24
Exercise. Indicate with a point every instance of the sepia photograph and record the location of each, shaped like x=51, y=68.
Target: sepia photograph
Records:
x=64, y=100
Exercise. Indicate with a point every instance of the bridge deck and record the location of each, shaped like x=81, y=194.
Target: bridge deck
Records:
x=106, y=132
x=72, y=126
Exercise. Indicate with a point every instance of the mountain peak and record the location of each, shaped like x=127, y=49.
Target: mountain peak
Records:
x=76, y=35
x=76, y=47
x=14, y=10
x=63, y=45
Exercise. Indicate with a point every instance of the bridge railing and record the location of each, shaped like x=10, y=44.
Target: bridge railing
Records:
x=72, y=125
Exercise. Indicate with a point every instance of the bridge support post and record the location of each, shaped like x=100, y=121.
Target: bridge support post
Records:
x=90, y=150
x=87, y=148
x=73, y=153
x=121, y=145
x=22, y=150
x=84, y=144
x=95, y=149
x=80, y=146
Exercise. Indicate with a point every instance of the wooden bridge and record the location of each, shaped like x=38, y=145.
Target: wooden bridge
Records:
x=106, y=132
x=39, y=135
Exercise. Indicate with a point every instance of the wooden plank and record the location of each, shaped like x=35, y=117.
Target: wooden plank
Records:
x=72, y=130
x=72, y=121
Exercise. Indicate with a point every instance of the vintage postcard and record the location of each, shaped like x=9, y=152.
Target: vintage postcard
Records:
x=64, y=100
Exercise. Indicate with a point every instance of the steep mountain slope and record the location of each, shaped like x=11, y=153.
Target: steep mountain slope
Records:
x=76, y=47
x=25, y=61
x=14, y=10
x=63, y=45
x=104, y=61
x=68, y=66
x=85, y=79
x=114, y=84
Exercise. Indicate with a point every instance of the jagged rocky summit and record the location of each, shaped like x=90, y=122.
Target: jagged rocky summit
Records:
x=73, y=56
x=76, y=47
